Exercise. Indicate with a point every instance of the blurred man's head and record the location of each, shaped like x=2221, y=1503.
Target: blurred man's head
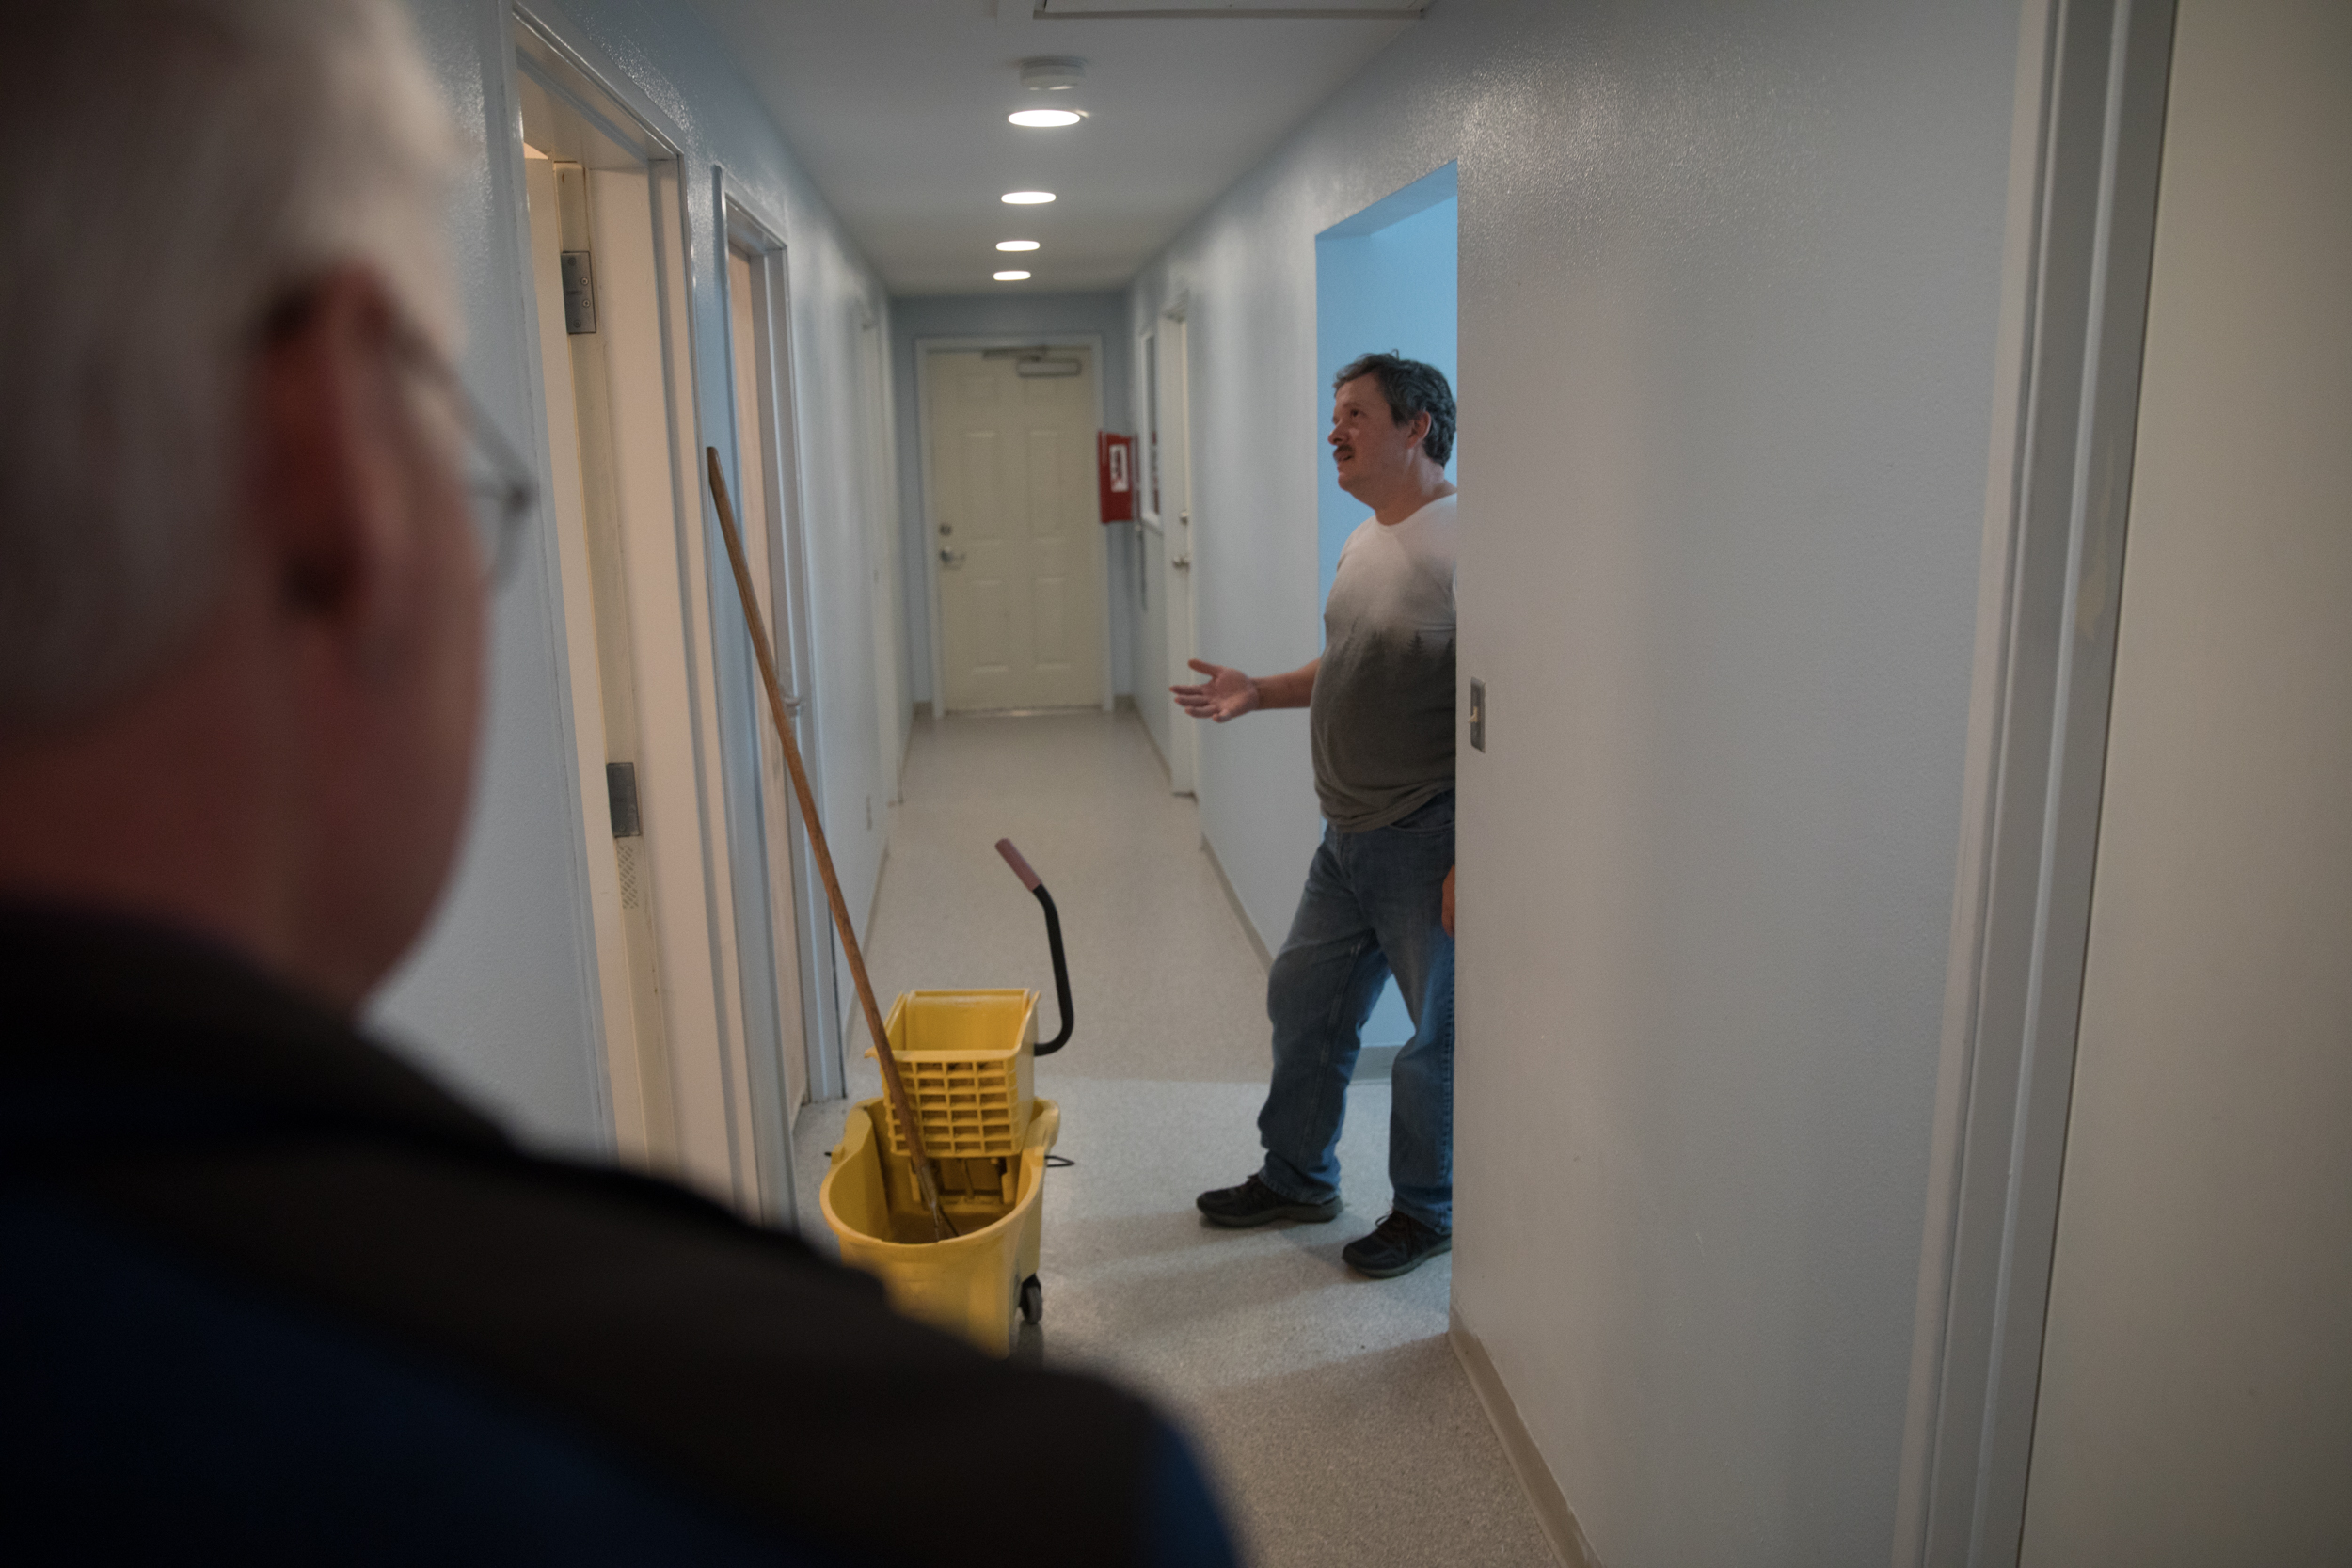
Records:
x=240, y=594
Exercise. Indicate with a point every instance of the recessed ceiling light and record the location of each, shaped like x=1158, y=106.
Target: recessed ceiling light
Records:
x=1043, y=119
x=1013, y=277
x=1028, y=198
x=1016, y=245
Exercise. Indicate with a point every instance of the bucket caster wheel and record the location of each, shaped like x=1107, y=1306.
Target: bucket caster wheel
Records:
x=1032, y=1300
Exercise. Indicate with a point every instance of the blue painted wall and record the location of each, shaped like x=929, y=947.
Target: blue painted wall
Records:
x=1384, y=282
x=1381, y=288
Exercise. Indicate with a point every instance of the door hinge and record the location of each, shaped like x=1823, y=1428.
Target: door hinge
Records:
x=580, y=293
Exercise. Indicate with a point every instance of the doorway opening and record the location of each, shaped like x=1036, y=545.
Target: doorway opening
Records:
x=607, y=254
x=1017, y=568
x=790, y=900
x=1386, y=279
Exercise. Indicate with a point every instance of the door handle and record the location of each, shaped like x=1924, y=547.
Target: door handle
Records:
x=951, y=558
x=1180, y=563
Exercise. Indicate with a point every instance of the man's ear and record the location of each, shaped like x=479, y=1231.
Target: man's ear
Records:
x=328, y=429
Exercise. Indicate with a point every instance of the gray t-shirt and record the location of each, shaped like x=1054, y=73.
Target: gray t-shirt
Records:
x=1382, y=717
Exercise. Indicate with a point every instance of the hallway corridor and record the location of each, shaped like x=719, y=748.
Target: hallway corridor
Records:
x=1329, y=1408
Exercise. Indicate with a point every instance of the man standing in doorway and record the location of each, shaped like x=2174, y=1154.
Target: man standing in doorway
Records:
x=1379, y=895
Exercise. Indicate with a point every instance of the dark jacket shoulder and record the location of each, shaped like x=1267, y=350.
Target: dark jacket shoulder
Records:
x=186, y=1106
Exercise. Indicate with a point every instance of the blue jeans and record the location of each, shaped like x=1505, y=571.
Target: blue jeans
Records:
x=1372, y=906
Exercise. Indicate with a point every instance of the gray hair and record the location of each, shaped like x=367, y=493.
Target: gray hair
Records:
x=175, y=169
x=1411, y=388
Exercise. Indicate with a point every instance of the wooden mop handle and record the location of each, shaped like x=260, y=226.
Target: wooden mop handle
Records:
x=926, y=1176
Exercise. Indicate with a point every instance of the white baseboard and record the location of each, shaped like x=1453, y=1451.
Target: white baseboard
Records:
x=1552, y=1512
x=1248, y=927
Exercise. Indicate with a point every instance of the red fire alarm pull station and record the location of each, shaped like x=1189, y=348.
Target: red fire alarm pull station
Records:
x=1115, y=473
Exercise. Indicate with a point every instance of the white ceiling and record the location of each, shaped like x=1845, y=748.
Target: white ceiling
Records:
x=897, y=109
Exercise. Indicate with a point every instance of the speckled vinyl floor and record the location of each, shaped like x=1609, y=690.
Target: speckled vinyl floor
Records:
x=1337, y=1423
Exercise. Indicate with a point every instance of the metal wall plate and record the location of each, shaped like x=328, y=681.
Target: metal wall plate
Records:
x=620, y=793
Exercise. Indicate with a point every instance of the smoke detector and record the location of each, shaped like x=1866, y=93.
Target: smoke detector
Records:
x=1053, y=74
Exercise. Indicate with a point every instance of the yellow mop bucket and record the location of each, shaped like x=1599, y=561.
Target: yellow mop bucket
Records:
x=979, y=1283
x=964, y=1058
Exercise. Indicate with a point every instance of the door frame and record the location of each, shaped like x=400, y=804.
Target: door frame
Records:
x=2086, y=148
x=886, y=533
x=924, y=349
x=1179, y=539
x=710, y=1082
x=741, y=227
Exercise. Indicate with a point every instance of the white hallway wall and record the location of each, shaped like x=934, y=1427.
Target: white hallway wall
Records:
x=499, y=998
x=1730, y=285
x=1010, y=311
x=2196, y=1396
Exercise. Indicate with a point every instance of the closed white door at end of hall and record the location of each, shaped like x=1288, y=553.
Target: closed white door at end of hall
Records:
x=1019, y=561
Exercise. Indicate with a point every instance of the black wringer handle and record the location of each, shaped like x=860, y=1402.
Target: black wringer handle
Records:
x=1053, y=934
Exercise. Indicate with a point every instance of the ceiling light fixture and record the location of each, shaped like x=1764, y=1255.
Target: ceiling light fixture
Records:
x=1051, y=73
x=1044, y=120
x=1016, y=245
x=1026, y=198
x=1013, y=277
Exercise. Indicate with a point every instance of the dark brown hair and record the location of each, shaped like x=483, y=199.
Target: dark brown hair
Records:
x=1411, y=388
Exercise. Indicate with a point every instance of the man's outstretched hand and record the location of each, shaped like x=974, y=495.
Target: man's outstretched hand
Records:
x=1225, y=694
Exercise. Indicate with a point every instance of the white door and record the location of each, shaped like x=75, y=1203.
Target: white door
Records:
x=1176, y=535
x=587, y=510
x=2196, y=1390
x=1016, y=541
x=607, y=269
